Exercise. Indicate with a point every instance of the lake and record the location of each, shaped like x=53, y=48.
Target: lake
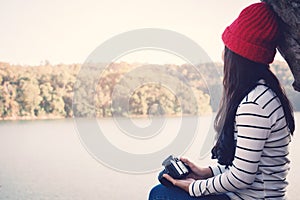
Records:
x=46, y=160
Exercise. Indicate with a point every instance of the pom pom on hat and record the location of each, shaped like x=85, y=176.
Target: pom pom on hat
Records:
x=254, y=34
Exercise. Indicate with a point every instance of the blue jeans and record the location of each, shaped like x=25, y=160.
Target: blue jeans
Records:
x=161, y=192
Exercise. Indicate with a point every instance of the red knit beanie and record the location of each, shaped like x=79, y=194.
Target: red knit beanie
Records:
x=254, y=34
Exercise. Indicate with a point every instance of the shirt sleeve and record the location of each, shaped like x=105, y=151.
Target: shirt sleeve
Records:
x=216, y=170
x=253, y=128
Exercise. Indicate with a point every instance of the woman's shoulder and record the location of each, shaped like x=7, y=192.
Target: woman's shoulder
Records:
x=260, y=95
x=262, y=100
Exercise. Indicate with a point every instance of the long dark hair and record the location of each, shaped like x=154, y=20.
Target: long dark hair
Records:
x=240, y=77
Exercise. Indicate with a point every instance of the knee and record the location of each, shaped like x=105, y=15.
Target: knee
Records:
x=156, y=192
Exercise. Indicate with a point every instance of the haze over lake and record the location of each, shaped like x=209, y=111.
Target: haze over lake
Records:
x=45, y=159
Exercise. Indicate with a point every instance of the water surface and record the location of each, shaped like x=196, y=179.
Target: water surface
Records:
x=46, y=160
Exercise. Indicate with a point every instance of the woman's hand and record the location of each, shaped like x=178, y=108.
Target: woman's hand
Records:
x=181, y=183
x=197, y=173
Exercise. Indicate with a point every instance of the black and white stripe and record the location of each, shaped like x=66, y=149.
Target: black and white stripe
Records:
x=260, y=165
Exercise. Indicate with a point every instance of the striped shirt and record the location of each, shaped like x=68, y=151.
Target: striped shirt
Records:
x=260, y=165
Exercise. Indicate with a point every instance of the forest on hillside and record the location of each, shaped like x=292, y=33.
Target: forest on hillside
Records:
x=118, y=89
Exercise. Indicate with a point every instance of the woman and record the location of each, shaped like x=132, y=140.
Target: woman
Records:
x=254, y=123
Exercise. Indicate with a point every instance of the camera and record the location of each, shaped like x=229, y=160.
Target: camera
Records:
x=175, y=168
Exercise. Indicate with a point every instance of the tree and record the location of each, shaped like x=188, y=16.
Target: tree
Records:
x=289, y=46
x=28, y=97
x=46, y=95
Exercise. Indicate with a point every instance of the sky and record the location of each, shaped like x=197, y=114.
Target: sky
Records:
x=67, y=31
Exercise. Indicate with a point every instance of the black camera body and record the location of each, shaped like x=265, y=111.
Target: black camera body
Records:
x=175, y=168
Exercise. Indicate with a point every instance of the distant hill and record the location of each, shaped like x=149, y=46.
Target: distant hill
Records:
x=285, y=77
x=117, y=89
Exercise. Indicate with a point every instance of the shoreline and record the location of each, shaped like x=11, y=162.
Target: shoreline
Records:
x=30, y=118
